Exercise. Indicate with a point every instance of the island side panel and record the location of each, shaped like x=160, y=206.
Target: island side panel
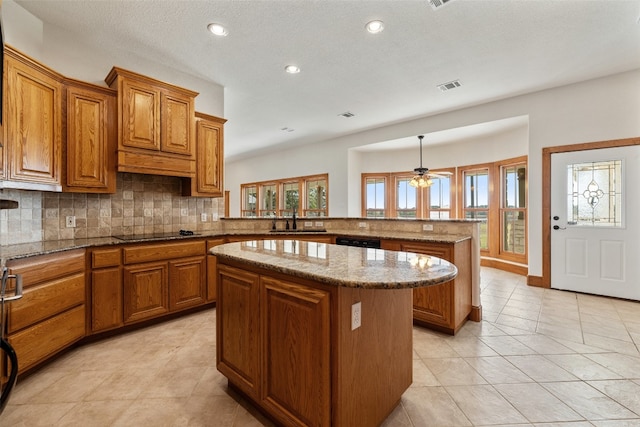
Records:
x=373, y=363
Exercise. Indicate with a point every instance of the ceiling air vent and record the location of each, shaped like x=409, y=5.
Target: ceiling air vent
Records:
x=347, y=115
x=450, y=85
x=436, y=4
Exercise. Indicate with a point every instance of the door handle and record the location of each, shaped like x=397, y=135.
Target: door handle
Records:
x=557, y=227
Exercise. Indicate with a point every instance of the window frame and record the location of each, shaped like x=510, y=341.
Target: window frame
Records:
x=280, y=210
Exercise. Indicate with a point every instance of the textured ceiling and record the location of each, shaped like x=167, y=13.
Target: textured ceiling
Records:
x=497, y=49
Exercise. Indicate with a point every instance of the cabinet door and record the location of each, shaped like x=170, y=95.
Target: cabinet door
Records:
x=296, y=369
x=90, y=141
x=237, y=328
x=106, y=298
x=34, y=125
x=433, y=304
x=177, y=124
x=145, y=291
x=186, y=282
x=140, y=121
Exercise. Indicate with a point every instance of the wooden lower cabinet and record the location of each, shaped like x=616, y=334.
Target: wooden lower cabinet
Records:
x=288, y=345
x=106, y=289
x=447, y=306
x=146, y=289
x=159, y=278
x=51, y=314
x=187, y=279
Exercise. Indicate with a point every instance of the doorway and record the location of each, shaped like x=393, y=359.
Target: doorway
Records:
x=591, y=232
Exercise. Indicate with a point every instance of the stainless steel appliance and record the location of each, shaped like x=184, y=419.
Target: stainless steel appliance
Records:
x=5, y=347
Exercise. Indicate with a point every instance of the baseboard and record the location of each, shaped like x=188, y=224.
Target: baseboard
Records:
x=476, y=313
x=536, y=281
x=520, y=269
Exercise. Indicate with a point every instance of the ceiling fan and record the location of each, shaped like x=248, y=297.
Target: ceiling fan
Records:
x=422, y=178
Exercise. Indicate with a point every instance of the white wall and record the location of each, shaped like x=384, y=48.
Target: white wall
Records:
x=602, y=109
x=64, y=53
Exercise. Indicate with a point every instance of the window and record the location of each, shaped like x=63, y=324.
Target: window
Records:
x=268, y=195
x=476, y=200
x=249, y=199
x=282, y=197
x=316, y=197
x=375, y=197
x=406, y=198
x=400, y=200
x=291, y=194
x=513, y=214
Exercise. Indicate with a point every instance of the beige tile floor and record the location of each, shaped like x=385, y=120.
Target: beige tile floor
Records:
x=539, y=357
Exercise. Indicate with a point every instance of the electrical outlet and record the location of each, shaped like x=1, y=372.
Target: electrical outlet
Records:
x=319, y=224
x=71, y=221
x=427, y=227
x=308, y=224
x=203, y=217
x=215, y=216
x=362, y=225
x=356, y=316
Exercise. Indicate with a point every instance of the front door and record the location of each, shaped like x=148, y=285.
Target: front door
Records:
x=595, y=220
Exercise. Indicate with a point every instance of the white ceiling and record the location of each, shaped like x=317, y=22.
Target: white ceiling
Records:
x=496, y=48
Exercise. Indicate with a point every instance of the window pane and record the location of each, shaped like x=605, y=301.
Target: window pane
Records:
x=595, y=194
x=249, y=198
x=406, y=199
x=291, y=198
x=484, y=226
x=514, y=179
x=476, y=189
x=316, y=192
x=439, y=214
x=440, y=193
x=375, y=193
x=513, y=232
x=268, y=202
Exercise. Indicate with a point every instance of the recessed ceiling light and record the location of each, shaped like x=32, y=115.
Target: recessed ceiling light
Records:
x=375, y=27
x=347, y=114
x=292, y=69
x=217, y=29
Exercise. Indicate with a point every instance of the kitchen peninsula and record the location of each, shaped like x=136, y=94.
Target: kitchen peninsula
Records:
x=318, y=334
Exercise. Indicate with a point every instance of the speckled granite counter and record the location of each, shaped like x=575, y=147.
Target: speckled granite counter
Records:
x=341, y=265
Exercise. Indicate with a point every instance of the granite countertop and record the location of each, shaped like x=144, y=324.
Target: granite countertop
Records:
x=24, y=250
x=340, y=265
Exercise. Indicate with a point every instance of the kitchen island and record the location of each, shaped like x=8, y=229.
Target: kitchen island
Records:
x=317, y=334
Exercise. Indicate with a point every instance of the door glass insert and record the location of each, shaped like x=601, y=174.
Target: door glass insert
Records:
x=594, y=194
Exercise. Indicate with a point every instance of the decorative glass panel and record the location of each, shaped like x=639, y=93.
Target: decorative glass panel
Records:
x=406, y=205
x=594, y=194
x=375, y=197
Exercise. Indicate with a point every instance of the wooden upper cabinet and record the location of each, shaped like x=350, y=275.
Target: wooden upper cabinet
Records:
x=156, y=124
x=91, y=139
x=209, y=178
x=33, y=126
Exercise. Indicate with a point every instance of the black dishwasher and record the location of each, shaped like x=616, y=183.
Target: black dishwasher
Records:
x=359, y=242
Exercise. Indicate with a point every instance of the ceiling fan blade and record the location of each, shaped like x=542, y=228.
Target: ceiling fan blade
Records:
x=442, y=175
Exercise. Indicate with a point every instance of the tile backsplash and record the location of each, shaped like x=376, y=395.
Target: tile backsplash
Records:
x=141, y=204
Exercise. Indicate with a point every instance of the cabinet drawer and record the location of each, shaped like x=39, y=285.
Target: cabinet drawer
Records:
x=162, y=251
x=105, y=258
x=47, y=267
x=46, y=338
x=41, y=302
